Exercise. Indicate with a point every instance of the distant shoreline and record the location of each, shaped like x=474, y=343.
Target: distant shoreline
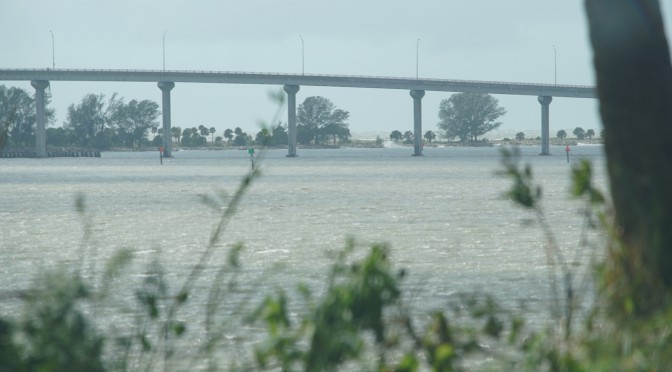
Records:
x=352, y=144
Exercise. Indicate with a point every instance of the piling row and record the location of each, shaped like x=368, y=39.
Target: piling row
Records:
x=51, y=154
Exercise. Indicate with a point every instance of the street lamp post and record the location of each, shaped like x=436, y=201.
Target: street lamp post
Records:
x=303, y=71
x=164, y=50
x=555, y=64
x=417, y=57
x=53, y=53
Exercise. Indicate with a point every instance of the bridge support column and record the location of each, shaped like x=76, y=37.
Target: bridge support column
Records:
x=167, y=136
x=417, y=121
x=545, y=102
x=41, y=118
x=291, y=119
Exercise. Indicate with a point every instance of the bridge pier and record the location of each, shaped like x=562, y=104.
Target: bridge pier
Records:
x=41, y=118
x=291, y=91
x=545, y=102
x=167, y=136
x=417, y=121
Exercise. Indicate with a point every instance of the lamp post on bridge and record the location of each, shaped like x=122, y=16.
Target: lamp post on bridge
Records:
x=53, y=53
x=303, y=70
x=417, y=56
x=164, y=50
x=555, y=64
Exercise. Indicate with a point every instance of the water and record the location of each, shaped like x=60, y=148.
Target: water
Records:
x=443, y=215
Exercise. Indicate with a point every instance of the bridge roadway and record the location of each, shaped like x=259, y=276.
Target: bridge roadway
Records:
x=166, y=80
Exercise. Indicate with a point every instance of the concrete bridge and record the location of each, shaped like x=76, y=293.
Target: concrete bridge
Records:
x=166, y=80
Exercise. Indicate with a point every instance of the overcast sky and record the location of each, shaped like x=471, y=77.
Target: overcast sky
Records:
x=493, y=40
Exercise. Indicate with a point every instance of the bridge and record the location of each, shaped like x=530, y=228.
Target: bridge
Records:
x=291, y=83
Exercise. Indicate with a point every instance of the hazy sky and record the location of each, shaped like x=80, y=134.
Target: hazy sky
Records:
x=490, y=40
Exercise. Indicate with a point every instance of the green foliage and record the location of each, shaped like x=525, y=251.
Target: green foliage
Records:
x=319, y=120
x=10, y=359
x=56, y=334
x=430, y=136
x=88, y=118
x=562, y=134
x=469, y=115
x=361, y=315
x=523, y=191
x=18, y=117
x=614, y=336
x=102, y=124
x=408, y=137
x=333, y=330
x=579, y=133
x=396, y=136
x=191, y=137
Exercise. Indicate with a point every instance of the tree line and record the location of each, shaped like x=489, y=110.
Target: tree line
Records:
x=100, y=123
x=104, y=123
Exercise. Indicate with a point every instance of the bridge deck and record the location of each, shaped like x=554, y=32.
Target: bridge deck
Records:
x=352, y=81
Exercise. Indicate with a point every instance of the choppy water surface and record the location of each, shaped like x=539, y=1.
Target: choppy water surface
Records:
x=443, y=215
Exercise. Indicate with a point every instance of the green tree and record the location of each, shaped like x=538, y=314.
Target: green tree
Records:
x=242, y=138
x=228, y=134
x=561, y=134
x=520, y=136
x=396, y=136
x=203, y=131
x=590, y=134
x=579, y=133
x=408, y=137
x=191, y=137
x=338, y=133
x=59, y=137
x=212, y=134
x=88, y=120
x=379, y=141
x=279, y=135
x=469, y=115
x=187, y=137
x=17, y=110
x=430, y=136
x=134, y=119
x=318, y=118
x=263, y=137
x=18, y=118
x=177, y=134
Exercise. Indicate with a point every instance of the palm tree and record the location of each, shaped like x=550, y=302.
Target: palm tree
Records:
x=177, y=133
x=228, y=134
x=561, y=134
x=212, y=134
x=203, y=131
x=590, y=134
x=579, y=133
